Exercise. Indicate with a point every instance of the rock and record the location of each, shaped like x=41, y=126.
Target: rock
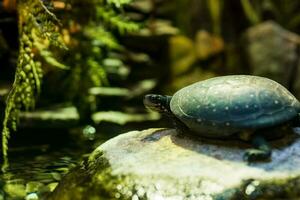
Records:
x=157, y=164
x=273, y=52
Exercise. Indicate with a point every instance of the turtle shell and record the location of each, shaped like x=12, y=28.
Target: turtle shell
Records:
x=222, y=106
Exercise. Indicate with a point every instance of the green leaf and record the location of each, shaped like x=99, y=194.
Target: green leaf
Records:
x=250, y=12
x=49, y=58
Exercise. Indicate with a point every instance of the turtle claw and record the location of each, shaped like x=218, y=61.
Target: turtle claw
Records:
x=253, y=155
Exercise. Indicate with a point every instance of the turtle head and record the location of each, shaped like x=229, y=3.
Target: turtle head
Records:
x=158, y=103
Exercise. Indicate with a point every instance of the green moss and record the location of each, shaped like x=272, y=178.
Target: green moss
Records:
x=285, y=188
x=94, y=179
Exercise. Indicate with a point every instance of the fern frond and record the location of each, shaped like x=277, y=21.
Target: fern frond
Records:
x=10, y=105
x=34, y=23
x=253, y=16
x=101, y=37
x=115, y=20
x=96, y=73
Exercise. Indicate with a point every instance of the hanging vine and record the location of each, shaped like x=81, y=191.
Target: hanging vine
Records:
x=36, y=25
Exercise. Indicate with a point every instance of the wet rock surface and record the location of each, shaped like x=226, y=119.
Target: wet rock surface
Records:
x=157, y=164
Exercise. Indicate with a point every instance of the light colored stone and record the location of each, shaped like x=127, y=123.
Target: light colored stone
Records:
x=157, y=164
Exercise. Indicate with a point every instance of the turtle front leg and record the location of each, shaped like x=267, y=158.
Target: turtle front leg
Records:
x=296, y=121
x=262, y=150
x=180, y=127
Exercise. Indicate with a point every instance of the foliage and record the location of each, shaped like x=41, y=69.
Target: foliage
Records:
x=215, y=8
x=250, y=12
x=254, y=11
x=36, y=23
x=284, y=12
x=83, y=29
x=92, y=39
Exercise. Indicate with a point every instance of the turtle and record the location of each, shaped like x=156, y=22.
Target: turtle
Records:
x=251, y=108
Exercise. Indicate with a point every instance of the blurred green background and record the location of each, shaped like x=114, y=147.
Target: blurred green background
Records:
x=78, y=70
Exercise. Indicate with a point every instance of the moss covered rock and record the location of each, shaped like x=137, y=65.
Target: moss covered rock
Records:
x=157, y=164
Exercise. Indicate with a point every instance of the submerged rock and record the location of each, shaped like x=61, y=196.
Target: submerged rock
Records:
x=157, y=164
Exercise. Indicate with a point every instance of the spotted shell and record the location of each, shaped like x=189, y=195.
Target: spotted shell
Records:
x=222, y=106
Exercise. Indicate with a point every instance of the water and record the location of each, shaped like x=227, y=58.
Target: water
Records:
x=39, y=159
